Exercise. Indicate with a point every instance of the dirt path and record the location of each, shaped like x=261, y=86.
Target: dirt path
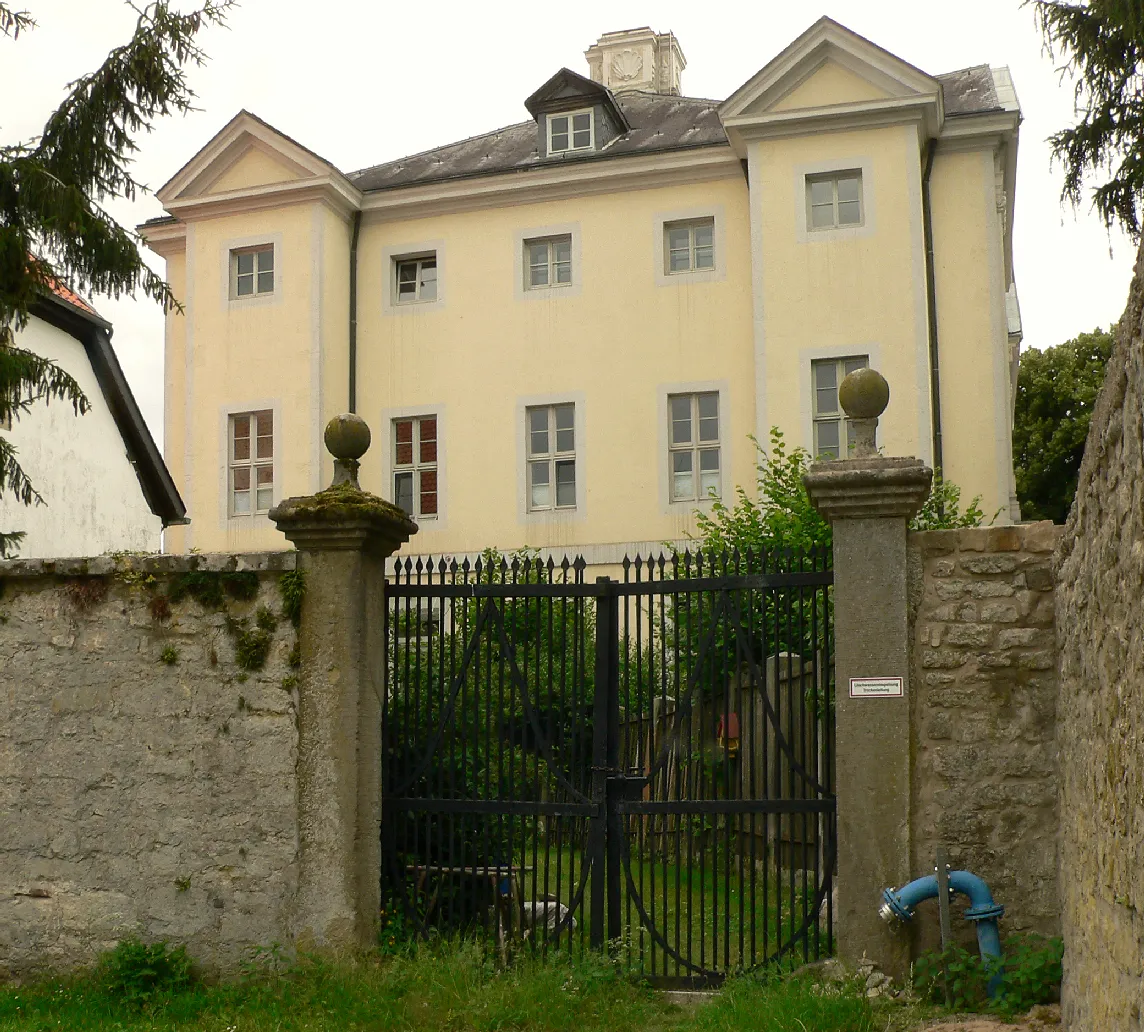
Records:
x=1039, y=1019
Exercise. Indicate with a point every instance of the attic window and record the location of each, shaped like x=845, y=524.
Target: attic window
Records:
x=571, y=131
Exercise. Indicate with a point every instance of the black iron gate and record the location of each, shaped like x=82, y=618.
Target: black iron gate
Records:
x=644, y=760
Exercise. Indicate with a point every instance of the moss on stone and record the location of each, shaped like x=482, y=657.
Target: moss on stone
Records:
x=343, y=502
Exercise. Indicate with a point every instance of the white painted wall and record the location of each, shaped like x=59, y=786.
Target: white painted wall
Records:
x=93, y=501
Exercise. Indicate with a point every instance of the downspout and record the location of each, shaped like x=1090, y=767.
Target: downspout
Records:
x=983, y=912
x=931, y=307
x=353, y=313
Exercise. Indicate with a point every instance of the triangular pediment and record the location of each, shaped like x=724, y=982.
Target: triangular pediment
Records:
x=828, y=67
x=247, y=154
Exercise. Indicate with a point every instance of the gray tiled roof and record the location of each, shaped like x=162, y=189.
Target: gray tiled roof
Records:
x=659, y=123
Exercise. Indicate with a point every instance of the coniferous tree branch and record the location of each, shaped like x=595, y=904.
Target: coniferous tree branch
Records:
x=1102, y=44
x=12, y=22
x=53, y=226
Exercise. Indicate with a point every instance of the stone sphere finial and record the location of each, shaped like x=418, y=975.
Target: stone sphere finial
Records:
x=347, y=440
x=864, y=394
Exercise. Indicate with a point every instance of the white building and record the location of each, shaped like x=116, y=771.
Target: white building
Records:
x=103, y=481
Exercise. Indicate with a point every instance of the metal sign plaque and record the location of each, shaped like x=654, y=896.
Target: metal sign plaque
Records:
x=876, y=688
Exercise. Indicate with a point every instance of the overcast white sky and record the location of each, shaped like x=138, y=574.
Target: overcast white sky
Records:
x=364, y=81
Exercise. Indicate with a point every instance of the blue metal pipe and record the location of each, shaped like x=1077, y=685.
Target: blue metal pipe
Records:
x=983, y=912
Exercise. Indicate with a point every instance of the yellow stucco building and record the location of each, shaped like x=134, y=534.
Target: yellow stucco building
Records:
x=562, y=333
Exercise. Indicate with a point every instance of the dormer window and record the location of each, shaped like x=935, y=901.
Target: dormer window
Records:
x=571, y=131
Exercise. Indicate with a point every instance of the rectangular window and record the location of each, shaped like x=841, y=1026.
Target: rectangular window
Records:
x=693, y=446
x=551, y=431
x=252, y=271
x=831, y=427
x=689, y=246
x=415, y=279
x=834, y=201
x=571, y=131
x=251, y=472
x=415, y=466
x=548, y=262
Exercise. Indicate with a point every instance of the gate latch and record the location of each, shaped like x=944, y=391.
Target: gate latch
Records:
x=628, y=787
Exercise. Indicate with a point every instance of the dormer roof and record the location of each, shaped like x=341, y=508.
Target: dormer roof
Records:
x=566, y=90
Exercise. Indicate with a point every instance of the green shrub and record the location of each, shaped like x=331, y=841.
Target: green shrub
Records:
x=1028, y=973
x=169, y=655
x=138, y=972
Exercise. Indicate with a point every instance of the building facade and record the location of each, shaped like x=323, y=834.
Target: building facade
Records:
x=564, y=333
x=99, y=475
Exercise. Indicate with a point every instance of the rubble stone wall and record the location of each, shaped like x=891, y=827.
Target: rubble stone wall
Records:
x=147, y=780
x=1100, y=627
x=984, y=719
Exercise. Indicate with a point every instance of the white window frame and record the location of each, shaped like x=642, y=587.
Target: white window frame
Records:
x=551, y=242
x=570, y=115
x=417, y=467
x=252, y=463
x=695, y=447
x=691, y=225
x=257, y=251
x=833, y=178
x=415, y=259
x=553, y=457
x=836, y=416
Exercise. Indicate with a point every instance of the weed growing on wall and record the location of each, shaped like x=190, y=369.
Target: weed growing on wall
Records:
x=212, y=588
x=292, y=587
x=169, y=655
x=86, y=592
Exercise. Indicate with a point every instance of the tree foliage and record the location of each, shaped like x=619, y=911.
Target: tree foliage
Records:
x=54, y=228
x=782, y=518
x=1102, y=43
x=1056, y=392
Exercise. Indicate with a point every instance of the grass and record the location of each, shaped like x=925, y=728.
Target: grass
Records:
x=450, y=987
x=722, y=919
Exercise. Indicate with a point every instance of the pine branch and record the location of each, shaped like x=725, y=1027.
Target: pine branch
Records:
x=53, y=226
x=12, y=23
x=25, y=378
x=1102, y=44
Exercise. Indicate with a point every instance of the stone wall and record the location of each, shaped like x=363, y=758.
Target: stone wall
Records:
x=983, y=718
x=1100, y=620
x=142, y=791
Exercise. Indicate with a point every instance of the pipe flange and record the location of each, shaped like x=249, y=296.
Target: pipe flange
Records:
x=893, y=907
x=986, y=912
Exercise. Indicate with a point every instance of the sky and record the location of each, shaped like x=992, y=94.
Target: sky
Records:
x=365, y=81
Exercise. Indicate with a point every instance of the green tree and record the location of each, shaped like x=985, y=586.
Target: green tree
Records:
x=1056, y=392
x=53, y=226
x=1102, y=43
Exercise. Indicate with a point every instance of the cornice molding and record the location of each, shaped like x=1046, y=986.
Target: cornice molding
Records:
x=613, y=174
x=164, y=238
x=924, y=111
x=334, y=191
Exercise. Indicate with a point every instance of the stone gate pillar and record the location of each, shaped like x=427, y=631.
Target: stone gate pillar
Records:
x=869, y=501
x=343, y=536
